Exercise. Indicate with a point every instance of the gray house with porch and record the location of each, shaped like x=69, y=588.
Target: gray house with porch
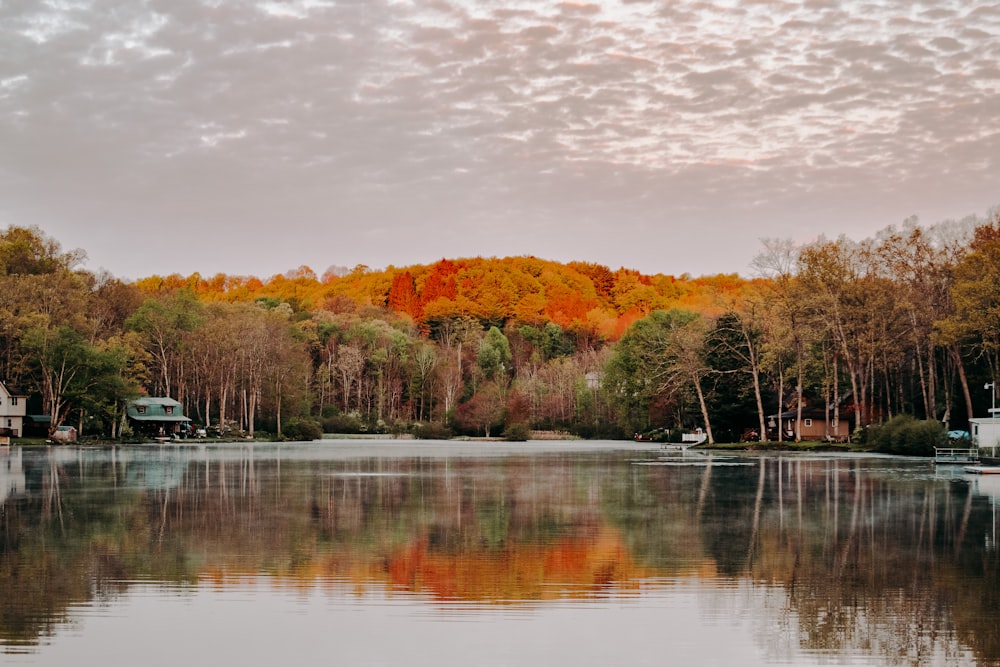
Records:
x=157, y=417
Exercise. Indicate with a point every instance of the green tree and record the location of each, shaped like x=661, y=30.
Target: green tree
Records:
x=660, y=356
x=28, y=251
x=73, y=373
x=166, y=324
x=733, y=352
x=494, y=355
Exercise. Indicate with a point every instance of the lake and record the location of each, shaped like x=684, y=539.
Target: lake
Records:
x=540, y=553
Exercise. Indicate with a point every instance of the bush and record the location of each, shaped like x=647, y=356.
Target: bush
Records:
x=432, y=431
x=518, y=432
x=302, y=429
x=343, y=424
x=908, y=436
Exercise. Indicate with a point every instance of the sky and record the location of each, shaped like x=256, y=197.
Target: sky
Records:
x=252, y=137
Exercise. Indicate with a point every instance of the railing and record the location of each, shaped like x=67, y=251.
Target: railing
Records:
x=955, y=454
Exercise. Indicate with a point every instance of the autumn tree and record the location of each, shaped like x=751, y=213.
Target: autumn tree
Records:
x=975, y=322
x=166, y=324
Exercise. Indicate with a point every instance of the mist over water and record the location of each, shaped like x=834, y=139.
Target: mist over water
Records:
x=579, y=553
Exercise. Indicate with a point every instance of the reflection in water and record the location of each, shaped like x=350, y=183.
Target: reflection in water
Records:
x=802, y=559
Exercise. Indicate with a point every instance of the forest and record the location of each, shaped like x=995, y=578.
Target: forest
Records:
x=904, y=323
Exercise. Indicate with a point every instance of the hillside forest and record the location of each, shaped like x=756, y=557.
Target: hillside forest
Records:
x=904, y=323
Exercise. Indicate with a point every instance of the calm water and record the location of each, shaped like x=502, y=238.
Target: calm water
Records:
x=415, y=553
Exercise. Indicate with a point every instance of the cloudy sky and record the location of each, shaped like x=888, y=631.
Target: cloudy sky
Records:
x=251, y=137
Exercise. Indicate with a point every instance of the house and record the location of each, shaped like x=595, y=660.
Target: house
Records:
x=157, y=417
x=816, y=424
x=13, y=407
x=985, y=434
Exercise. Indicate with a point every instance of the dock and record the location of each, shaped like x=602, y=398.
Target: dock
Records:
x=956, y=455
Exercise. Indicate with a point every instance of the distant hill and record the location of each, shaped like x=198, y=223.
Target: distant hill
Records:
x=576, y=295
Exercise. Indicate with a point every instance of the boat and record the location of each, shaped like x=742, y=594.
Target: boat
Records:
x=687, y=440
x=691, y=439
x=659, y=434
x=982, y=470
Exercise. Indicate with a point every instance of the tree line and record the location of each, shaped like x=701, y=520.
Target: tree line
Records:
x=903, y=323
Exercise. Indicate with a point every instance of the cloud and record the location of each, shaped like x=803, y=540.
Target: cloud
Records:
x=533, y=118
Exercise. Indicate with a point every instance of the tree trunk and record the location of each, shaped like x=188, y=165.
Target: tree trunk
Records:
x=277, y=409
x=836, y=397
x=962, y=380
x=704, y=408
x=781, y=403
x=798, y=409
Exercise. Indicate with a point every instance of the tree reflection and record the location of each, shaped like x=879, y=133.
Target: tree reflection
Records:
x=872, y=555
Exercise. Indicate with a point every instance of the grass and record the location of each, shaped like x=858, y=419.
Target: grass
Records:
x=786, y=446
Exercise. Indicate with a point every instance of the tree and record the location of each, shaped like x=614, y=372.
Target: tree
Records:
x=165, y=324
x=28, y=251
x=494, y=355
x=975, y=322
x=733, y=352
x=72, y=373
x=425, y=360
x=659, y=356
x=483, y=411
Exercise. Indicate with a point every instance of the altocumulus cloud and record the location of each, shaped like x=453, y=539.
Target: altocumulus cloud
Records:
x=666, y=136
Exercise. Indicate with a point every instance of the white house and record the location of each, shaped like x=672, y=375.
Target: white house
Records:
x=985, y=434
x=13, y=408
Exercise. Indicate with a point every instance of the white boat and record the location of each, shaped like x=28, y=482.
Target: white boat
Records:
x=692, y=439
x=982, y=470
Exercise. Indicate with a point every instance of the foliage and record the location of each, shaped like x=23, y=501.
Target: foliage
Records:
x=343, y=424
x=494, y=354
x=302, y=428
x=517, y=432
x=648, y=370
x=432, y=431
x=904, y=434
x=902, y=323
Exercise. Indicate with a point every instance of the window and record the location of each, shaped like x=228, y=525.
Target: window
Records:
x=169, y=409
x=13, y=400
x=141, y=409
x=808, y=422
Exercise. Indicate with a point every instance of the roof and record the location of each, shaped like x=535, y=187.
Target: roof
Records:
x=156, y=409
x=808, y=412
x=12, y=390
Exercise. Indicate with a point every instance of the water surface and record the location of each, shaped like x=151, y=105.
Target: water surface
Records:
x=392, y=552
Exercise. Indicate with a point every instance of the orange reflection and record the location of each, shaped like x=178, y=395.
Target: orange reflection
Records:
x=582, y=566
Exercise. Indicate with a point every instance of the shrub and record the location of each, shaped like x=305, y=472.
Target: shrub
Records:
x=343, y=424
x=302, y=428
x=906, y=435
x=517, y=432
x=432, y=431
